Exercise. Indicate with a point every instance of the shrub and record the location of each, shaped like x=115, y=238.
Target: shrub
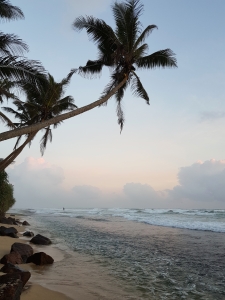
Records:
x=6, y=193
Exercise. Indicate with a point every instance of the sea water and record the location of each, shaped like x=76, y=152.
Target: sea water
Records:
x=152, y=253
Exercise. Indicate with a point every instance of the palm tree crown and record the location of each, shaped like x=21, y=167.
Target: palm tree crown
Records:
x=42, y=103
x=123, y=50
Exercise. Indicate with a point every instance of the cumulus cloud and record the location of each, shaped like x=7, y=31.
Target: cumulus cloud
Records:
x=202, y=181
x=39, y=184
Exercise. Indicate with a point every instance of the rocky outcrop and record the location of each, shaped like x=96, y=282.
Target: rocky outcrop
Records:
x=24, y=250
x=40, y=259
x=14, y=258
x=10, y=287
x=40, y=240
x=28, y=233
x=11, y=269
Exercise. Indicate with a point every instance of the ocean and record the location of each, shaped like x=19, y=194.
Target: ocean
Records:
x=138, y=253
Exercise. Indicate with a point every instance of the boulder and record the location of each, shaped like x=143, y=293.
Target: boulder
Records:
x=25, y=223
x=13, y=258
x=40, y=259
x=10, y=287
x=13, y=235
x=5, y=231
x=40, y=240
x=10, y=269
x=23, y=249
x=5, y=220
x=28, y=233
x=11, y=231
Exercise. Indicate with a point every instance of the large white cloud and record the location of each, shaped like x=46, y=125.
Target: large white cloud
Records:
x=202, y=181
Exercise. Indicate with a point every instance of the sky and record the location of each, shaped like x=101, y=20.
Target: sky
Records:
x=170, y=154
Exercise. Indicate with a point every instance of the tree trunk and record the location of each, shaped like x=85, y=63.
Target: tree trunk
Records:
x=36, y=127
x=10, y=158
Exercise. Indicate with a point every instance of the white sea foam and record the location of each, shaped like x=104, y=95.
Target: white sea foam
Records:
x=201, y=219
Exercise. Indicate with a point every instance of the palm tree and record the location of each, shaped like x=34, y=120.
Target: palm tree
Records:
x=12, y=66
x=42, y=103
x=123, y=50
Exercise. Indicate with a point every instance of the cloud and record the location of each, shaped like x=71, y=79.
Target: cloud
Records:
x=141, y=195
x=201, y=182
x=212, y=116
x=38, y=183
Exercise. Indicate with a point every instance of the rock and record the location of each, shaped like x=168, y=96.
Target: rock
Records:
x=10, y=268
x=28, y=233
x=13, y=235
x=5, y=220
x=11, y=231
x=25, y=223
x=23, y=249
x=40, y=259
x=40, y=240
x=10, y=287
x=13, y=258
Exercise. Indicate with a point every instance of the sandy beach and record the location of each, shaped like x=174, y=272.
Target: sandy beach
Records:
x=32, y=291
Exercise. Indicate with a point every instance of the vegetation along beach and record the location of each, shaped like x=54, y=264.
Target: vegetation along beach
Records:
x=112, y=168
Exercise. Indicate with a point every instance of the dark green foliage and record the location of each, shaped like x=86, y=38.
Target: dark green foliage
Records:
x=6, y=193
x=123, y=50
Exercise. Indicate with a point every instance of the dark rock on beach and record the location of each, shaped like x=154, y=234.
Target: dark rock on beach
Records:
x=10, y=269
x=28, y=233
x=24, y=250
x=4, y=231
x=13, y=258
x=40, y=259
x=5, y=220
x=13, y=235
x=10, y=287
x=25, y=223
x=40, y=240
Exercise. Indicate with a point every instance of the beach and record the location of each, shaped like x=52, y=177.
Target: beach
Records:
x=31, y=291
x=101, y=255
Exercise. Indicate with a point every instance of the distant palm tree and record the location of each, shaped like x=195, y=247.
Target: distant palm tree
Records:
x=123, y=50
x=42, y=103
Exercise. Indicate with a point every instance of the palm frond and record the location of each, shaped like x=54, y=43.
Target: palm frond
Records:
x=14, y=68
x=10, y=44
x=120, y=116
x=10, y=12
x=17, y=142
x=92, y=68
x=6, y=120
x=47, y=136
x=162, y=58
x=144, y=35
x=138, y=89
x=97, y=29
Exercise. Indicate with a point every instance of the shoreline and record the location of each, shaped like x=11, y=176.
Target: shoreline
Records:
x=32, y=290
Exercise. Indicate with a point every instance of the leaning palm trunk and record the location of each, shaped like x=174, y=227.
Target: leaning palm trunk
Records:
x=36, y=127
x=11, y=157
